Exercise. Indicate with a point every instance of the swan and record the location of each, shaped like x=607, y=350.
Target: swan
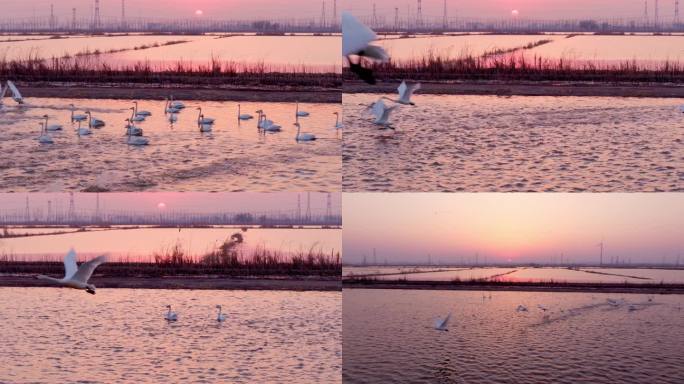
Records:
x=681, y=108
x=44, y=137
x=77, y=276
x=382, y=113
x=203, y=120
x=132, y=129
x=176, y=104
x=173, y=117
x=82, y=131
x=265, y=124
x=442, y=325
x=137, y=140
x=543, y=308
x=405, y=93
x=94, y=122
x=170, y=315
x=356, y=39
x=136, y=118
x=613, y=302
x=75, y=117
x=244, y=116
x=204, y=127
x=52, y=127
x=3, y=92
x=303, y=136
x=521, y=308
x=299, y=113
x=141, y=113
x=338, y=124
x=16, y=96
x=168, y=108
x=220, y=317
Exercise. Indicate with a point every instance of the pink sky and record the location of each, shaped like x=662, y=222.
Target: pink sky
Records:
x=546, y=9
x=405, y=228
x=232, y=9
x=195, y=202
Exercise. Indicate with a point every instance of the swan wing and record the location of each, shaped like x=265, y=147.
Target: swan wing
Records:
x=446, y=320
x=377, y=53
x=378, y=109
x=355, y=35
x=86, y=269
x=15, y=92
x=411, y=89
x=3, y=91
x=402, y=89
x=70, y=266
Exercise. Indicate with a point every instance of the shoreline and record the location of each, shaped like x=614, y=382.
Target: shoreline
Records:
x=180, y=92
x=518, y=287
x=184, y=282
x=520, y=88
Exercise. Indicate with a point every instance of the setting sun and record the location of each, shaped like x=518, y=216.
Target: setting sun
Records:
x=199, y=12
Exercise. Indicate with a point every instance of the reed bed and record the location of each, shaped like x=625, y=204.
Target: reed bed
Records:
x=95, y=68
x=227, y=259
x=517, y=65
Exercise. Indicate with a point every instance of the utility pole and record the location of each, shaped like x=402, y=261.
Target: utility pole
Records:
x=419, y=14
x=328, y=206
x=52, y=17
x=27, y=214
x=374, y=22
x=308, y=206
x=676, y=13
x=123, y=14
x=655, y=15
x=335, y=12
x=646, y=11
x=601, y=255
x=72, y=208
x=323, y=15
x=96, y=16
x=396, y=19
x=445, y=20
x=73, y=19
x=299, y=208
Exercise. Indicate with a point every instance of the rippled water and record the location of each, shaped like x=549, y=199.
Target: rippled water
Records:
x=388, y=336
x=643, y=48
x=119, y=335
x=522, y=274
x=141, y=244
x=179, y=158
x=501, y=144
x=317, y=53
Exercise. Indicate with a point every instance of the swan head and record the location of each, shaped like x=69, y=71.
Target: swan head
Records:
x=297, y=125
x=90, y=288
x=218, y=306
x=336, y=113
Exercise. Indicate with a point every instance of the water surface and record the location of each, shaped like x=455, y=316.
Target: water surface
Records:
x=519, y=143
x=120, y=335
x=234, y=157
x=388, y=336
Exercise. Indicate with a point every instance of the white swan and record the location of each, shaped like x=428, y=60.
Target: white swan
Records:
x=82, y=131
x=681, y=108
x=132, y=129
x=382, y=113
x=51, y=127
x=168, y=108
x=203, y=120
x=356, y=39
x=16, y=96
x=543, y=308
x=338, y=124
x=176, y=104
x=75, y=117
x=265, y=124
x=299, y=113
x=141, y=113
x=405, y=93
x=77, y=276
x=303, y=136
x=521, y=308
x=220, y=317
x=205, y=127
x=443, y=324
x=173, y=117
x=137, y=140
x=44, y=137
x=170, y=315
x=94, y=122
x=134, y=117
x=244, y=116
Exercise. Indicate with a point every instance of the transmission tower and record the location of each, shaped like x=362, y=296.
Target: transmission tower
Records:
x=308, y=206
x=601, y=254
x=97, y=207
x=27, y=214
x=323, y=14
x=396, y=19
x=445, y=21
x=335, y=12
x=73, y=19
x=123, y=13
x=299, y=208
x=96, y=15
x=655, y=15
x=375, y=17
x=419, y=14
x=49, y=211
x=72, y=208
x=52, y=17
x=328, y=206
x=676, y=15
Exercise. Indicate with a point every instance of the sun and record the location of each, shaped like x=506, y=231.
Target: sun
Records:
x=515, y=13
x=161, y=205
x=199, y=12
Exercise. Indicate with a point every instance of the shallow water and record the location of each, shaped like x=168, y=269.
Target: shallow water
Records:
x=141, y=244
x=642, y=48
x=523, y=274
x=315, y=53
x=120, y=335
x=388, y=336
x=503, y=144
x=179, y=158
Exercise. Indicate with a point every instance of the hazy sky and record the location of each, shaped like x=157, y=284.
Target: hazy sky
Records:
x=406, y=228
x=194, y=202
x=233, y=9
x=241, y=9
x=545, y=9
